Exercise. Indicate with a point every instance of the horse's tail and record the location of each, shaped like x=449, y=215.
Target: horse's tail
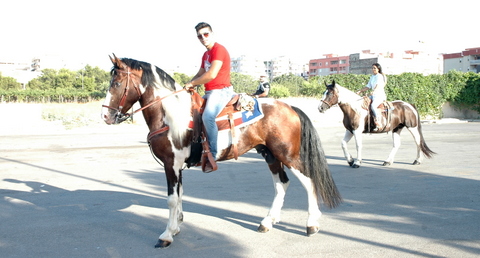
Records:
x=315, y=163
x=423, y=146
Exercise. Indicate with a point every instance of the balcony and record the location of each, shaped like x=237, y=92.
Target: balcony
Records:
x=475, y=62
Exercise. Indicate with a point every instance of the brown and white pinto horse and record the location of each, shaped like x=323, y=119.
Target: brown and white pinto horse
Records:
x=285, y=137
x=357, y=120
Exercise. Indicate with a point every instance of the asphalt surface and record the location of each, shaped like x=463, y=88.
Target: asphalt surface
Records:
x=99, y=193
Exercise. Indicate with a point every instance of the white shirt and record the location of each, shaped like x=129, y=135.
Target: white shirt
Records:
x=377, y=81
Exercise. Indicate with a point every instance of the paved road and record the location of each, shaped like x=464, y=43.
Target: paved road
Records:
x=99, y=193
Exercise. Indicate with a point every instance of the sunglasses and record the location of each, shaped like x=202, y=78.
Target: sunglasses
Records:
x=204, y=35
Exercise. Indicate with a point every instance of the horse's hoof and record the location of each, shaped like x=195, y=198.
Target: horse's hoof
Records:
x=312, y=230
x=263, y=229
x=355, y=166
x=385, y=164
x=162, y=244
x=350, y=163
x=416, y=162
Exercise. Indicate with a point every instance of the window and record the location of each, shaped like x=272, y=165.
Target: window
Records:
x=343, y=61
x=334, y=62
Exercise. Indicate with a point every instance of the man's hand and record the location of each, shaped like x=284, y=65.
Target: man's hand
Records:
x=189, y=86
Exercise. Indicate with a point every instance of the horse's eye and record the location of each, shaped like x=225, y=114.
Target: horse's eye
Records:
x=117, y=84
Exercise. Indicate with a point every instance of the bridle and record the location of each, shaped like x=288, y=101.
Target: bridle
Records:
x=327, y=103
x=119, y=116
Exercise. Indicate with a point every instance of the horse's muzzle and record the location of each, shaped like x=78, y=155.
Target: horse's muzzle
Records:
x=322, y=107
x=115, y=118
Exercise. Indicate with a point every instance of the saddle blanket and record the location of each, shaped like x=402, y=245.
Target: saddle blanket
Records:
x=240, y=118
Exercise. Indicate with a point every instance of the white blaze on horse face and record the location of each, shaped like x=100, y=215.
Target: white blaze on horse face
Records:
x=324, y=95
x=106, y=111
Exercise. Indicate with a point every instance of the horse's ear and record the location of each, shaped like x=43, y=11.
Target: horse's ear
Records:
x=116, y=61
x=326, y=85
x=333, y=83
x=113, y=59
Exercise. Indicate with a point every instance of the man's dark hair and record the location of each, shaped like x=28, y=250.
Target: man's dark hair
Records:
x=202, y=25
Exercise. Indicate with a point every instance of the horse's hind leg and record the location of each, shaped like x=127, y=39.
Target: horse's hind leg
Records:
x=314, y=212
x=417, y=138
x=280, y=183
x=396, y=145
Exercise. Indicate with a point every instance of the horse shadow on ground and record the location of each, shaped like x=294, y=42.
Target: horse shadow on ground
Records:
x=110, y=223
x=53, y=221
x=396, y=200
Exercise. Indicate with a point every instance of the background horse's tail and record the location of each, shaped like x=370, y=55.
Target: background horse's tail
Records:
x=423, y=146
x=315, y=164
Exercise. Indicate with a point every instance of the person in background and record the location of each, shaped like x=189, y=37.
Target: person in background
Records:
x=214, y=74
x=263, y=87
x=377, y=85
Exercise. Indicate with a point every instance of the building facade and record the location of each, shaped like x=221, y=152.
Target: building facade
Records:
x=273, y=68
x=465, y=61
x=409, y=61
x=331, y=64
x=249, y=65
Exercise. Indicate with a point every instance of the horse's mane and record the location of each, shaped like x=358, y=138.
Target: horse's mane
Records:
x=348, y=95
x=176, y=107
x=148, y=77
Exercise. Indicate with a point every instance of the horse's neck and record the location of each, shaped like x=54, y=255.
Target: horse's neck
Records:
x=177, y=110
x=351, y=101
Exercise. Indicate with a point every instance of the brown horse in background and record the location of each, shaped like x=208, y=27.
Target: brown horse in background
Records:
x=357, y=120
x=284, y=136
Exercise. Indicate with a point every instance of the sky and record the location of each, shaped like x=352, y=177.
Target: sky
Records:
x=162, y=32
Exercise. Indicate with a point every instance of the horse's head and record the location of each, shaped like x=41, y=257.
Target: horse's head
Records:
x=329, y=98
x=125, y=89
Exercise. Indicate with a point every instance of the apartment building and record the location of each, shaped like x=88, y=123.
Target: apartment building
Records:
x=331, y=64
x=465, y=61
x=249, y=65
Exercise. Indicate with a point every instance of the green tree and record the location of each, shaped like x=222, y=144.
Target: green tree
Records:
x=9, y=83
x=98, y=75
x=293, y=83
x=243, y=83
x=181, y=78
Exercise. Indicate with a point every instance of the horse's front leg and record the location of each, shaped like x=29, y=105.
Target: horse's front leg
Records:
x=280, y=183
x=359, y=144
x=174, y=201
x=348, y=136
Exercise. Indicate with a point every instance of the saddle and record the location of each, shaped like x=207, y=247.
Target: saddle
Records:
x=200, y=141
x=385, y=108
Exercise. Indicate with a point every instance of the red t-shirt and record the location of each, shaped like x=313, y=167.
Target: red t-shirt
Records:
x=218, y=52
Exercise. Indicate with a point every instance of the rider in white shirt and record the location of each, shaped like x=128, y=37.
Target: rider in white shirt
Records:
x=377, y=84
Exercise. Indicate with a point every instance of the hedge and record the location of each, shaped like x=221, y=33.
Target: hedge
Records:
x=427, y=93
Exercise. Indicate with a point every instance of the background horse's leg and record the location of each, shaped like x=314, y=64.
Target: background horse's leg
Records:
x=314, y=212
x=174, y=201
x=359, y=143
x=396, y=145
x=280, y=183
x=348, y=136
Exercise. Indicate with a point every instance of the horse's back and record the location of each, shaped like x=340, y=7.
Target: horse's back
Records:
x=406, y=113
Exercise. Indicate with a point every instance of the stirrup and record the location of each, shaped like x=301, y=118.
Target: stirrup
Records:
x=208, y=162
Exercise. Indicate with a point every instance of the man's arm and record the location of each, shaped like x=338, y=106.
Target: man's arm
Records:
x=206, y=76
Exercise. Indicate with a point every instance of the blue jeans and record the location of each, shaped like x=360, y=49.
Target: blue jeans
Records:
x=216, y=101
x=376, y=101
